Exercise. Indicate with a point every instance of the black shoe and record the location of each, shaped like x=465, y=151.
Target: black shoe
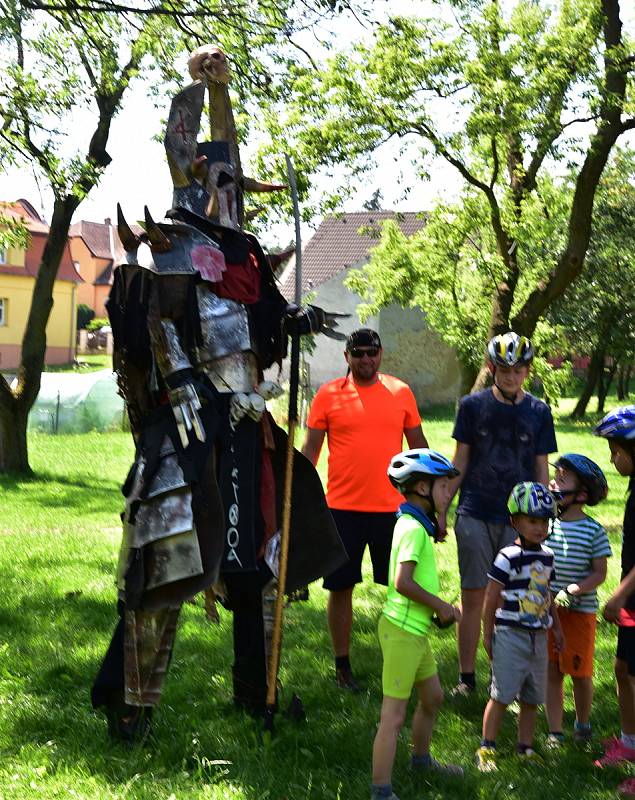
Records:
x=345, y=680
x=131, y=727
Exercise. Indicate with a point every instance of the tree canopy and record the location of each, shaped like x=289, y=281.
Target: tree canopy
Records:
x=509, y=94
x=66, y=67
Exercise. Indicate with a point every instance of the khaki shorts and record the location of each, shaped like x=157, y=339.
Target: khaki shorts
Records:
x=477, y=543
x=408, y=659
x=519, y=665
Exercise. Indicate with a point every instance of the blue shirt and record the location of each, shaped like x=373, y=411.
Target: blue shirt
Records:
x=504, y=441
x=525, y=576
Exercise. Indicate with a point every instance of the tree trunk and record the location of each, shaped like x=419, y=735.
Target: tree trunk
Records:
x=468, y=376
x=14, y=456
x=593, y=375
x=15, y=405
x=623, y=380
x=606, y=379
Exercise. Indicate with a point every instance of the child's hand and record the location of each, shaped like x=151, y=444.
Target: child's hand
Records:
x=612, y=609
x=442, y=530
x=487, y=644
x=558, y=639
x=448, y=614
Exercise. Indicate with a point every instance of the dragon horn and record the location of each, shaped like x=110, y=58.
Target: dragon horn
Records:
x=128, y=237
x=253, y=212
x=158, y=240
x=276, y=259
x=252, y=185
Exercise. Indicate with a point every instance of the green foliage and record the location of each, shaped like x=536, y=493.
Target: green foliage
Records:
x=494, y=89
x=599, y=309
x=13, y=233
x=96, y=323
x=84, y=315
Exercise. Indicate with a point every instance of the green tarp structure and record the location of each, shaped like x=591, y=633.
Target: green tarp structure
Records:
x=77, y=403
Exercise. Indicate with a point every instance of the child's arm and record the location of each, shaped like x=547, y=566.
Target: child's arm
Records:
x=616, y=601
x=492, y=601
x=556, y=629
x=406, y=585
x=593, y=579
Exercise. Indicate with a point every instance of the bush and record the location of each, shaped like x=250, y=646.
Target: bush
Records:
x=84, y=315
x=97, y=323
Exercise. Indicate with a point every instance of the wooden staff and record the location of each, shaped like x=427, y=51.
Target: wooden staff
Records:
x=276, y=639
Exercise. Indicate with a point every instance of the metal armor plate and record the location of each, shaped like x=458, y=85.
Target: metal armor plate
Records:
x=161, y=517
x=173, y=559
x=234, y=373
x=224, y=325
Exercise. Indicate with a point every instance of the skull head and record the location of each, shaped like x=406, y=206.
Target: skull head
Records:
x=209, y=63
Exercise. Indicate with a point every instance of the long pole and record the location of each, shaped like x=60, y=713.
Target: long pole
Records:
x=274, y=659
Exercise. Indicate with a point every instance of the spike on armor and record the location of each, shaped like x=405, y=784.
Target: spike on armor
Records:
x=197, y=317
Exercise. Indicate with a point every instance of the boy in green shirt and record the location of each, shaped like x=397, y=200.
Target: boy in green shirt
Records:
x=412, y=603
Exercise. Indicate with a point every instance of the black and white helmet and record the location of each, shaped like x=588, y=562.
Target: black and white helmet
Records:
x=509, y=349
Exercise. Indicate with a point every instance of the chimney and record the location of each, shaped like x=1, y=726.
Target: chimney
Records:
x=107, y=221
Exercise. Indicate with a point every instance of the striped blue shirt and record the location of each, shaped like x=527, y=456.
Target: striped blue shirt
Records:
x=526, y=593
x=575, y=543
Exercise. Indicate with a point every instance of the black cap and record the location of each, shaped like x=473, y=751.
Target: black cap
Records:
x=363, y=337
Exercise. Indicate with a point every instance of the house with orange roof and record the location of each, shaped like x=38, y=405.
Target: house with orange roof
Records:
x=92, y=250
x=18, y=271
x=412, y=350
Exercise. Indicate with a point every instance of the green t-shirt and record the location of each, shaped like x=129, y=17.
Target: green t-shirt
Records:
x=410, y=542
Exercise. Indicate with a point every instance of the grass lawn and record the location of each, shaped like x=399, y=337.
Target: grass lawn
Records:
x=60, y=534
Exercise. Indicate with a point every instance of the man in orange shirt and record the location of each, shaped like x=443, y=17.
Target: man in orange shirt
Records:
x=365, y=416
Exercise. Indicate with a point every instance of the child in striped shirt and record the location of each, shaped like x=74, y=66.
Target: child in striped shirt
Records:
x=581, y=548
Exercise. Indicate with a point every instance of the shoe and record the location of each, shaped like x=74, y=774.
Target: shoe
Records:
x=582, y=735
x=554, y=741
x=374, y=796
x=462, y=690
x=486, y=759
x=627, y=788
x=345, y=680
x=614, y=754
x=449, y=770
x=529, y=755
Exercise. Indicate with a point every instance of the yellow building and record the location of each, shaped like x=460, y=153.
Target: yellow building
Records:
x=18, y=270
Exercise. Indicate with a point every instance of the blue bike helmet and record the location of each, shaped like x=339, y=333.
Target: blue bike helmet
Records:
x=617, y=424
x=419, y=463
x=590, y=475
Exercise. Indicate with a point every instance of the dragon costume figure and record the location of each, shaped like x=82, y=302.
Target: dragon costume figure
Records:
x=197, y=317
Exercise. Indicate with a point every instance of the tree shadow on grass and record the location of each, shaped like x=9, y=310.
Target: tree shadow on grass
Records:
x=57, y=654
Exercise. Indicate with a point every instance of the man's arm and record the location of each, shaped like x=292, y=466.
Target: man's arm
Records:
x=541, y=469
x=313, y=444
x=461, y=460
x=415, y=437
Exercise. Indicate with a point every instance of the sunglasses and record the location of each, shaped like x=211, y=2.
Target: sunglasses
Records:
x=359, y=352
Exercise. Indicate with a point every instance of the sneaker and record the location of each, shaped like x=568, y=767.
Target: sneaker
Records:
x=529, y=755
x=345, y=680
x=614, y=754
x=449, y=770
x=462, y=690
x=486, y=759
x=554, y=741
x=582, y=735
x=627, y=788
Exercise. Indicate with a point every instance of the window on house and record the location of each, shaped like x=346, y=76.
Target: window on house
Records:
x=3, y=310
x=3, y=256
x=77, y=265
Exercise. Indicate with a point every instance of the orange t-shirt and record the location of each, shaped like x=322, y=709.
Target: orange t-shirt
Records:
x=364, y=426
